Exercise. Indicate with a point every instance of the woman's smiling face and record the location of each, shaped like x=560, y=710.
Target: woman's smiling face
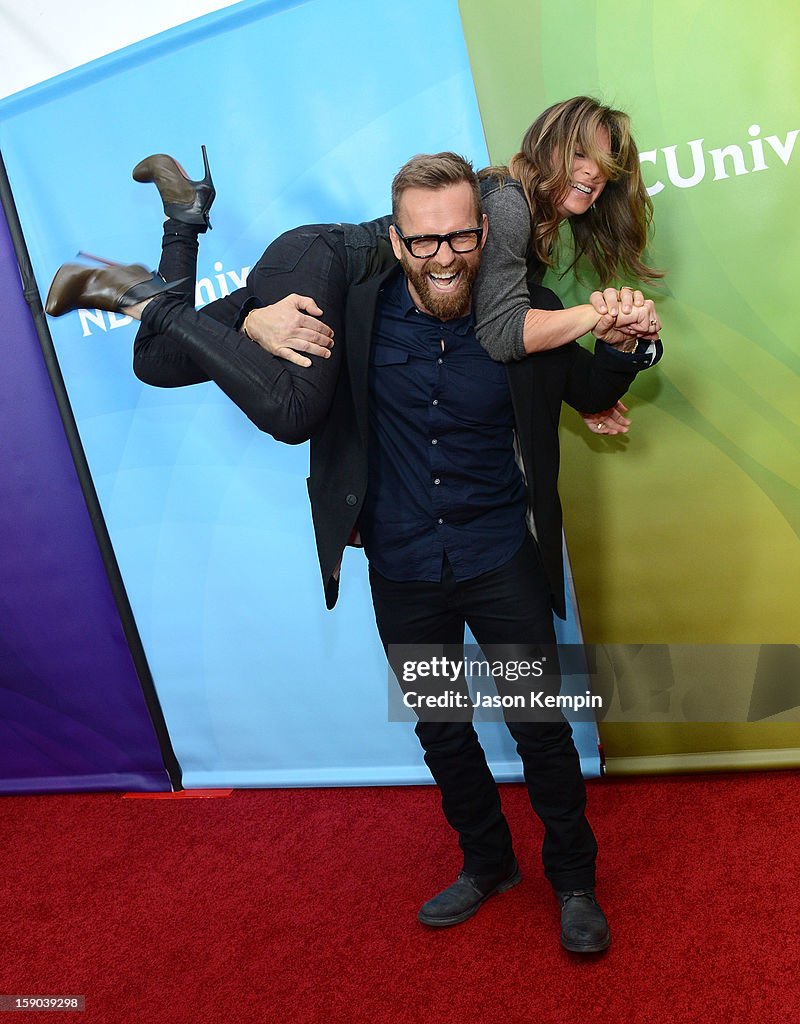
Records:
x=587, y=181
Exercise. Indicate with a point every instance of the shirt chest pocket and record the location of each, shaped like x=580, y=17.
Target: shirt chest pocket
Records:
x=382, y=355
x=400, y=382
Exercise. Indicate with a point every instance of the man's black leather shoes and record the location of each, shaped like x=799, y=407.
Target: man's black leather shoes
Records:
x=584, y=928
x=464, y=897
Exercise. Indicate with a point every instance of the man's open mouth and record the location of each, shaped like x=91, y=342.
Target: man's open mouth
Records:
x=445, y=282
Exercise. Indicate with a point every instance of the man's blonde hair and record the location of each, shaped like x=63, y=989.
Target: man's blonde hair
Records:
x=435, y=171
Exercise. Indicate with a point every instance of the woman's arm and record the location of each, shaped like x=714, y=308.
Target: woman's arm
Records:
x=507, y=326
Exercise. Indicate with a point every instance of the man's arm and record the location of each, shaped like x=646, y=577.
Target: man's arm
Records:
x=596, y=382
x=593, y=382
x=284, y=400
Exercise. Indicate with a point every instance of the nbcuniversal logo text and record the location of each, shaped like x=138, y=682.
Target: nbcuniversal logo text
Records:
x=687, y=170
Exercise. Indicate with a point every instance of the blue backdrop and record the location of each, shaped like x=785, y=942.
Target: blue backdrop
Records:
x=307, y=111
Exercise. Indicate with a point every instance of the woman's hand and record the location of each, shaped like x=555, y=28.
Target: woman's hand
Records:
x=624, y=314
x=285, y=329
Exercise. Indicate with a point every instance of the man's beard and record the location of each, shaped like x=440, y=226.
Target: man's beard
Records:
x=444, y=305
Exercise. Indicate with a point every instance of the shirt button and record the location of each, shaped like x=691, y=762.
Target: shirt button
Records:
x=440, y=361
x=435, y=401
x=437, y=480
x=440, y=521
x=351, y=499
x=434, y=441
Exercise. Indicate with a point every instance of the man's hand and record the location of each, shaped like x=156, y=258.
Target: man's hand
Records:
x=625, y=315
x=610, y=421
x=285, y=329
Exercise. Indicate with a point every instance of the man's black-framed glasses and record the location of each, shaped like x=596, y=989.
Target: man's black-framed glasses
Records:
x=426, y=246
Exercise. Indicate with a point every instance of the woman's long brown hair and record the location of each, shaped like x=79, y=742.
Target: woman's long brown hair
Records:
x=613, y=234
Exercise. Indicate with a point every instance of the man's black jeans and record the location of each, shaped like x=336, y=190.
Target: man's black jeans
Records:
x=509, y=613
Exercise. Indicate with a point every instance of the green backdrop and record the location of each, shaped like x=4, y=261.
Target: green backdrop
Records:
x=686, y=531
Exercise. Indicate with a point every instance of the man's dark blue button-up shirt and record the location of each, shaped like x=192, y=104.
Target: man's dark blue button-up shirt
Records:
x=442, y=473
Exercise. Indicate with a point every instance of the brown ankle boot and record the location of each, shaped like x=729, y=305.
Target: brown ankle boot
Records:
x=183, y=199
x=112, y=288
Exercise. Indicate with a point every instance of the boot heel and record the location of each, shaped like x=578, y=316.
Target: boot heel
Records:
x=99, y=259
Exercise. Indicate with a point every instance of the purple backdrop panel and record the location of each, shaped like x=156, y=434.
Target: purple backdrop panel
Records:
x=72, y=713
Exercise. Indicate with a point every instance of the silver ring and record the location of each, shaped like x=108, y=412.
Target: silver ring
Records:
x=653, y=323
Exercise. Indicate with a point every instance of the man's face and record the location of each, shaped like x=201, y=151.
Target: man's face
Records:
x=440, y=285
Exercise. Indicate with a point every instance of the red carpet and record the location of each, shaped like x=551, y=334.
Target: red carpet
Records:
x=300, y=906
